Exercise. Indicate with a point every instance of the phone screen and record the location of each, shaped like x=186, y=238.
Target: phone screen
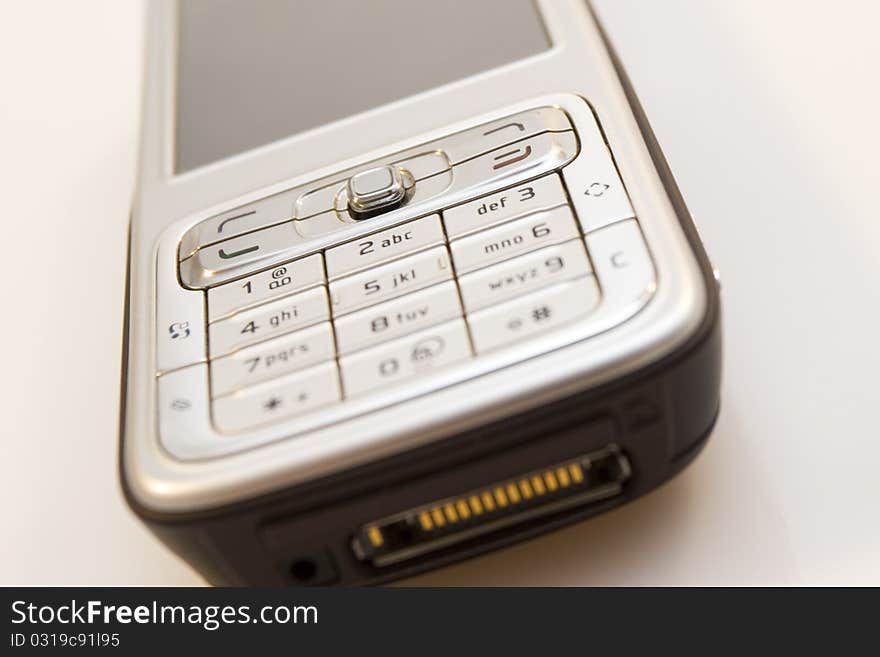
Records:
x=250, y=73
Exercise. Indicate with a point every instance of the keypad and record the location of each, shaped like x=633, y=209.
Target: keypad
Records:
x=541, y=247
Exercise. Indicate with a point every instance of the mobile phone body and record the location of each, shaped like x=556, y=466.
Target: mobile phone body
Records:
x=558, y=354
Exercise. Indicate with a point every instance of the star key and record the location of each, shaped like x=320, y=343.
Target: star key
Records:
x=272, y=403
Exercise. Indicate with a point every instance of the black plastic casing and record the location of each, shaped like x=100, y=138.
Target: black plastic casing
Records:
x=660, y=415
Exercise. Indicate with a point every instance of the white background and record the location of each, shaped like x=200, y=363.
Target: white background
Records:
x=768, y=113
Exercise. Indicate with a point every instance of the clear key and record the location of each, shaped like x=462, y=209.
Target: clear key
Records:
x=623, y=264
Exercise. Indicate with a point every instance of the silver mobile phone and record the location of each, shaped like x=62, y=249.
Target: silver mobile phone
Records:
x=408, y=282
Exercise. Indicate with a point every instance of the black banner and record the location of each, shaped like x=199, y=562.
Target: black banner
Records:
x=420, y=621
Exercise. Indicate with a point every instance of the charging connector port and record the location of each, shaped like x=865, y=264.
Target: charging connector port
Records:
x=575, y=482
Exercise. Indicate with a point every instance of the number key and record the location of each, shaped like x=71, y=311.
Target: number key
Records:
x=541, y=194
x=534, y=313
x=524, y=274
x=265, y=286
x=390, y=281
x=268, y=321
x=406, y=358
x=383, y=246
x=513, y=238
x=271, y=359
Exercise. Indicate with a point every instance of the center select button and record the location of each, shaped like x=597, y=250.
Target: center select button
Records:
x=323, y=199
x=377, y=190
